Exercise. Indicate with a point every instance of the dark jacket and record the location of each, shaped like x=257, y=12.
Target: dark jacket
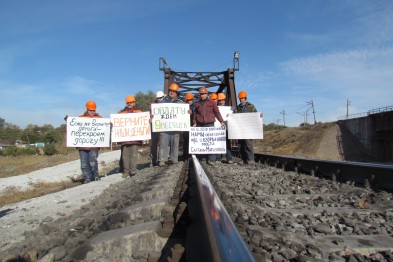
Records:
x=247, y=108
x=168, y=99
x=206, y=112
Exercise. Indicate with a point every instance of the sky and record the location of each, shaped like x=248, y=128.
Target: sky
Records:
x=336, y=55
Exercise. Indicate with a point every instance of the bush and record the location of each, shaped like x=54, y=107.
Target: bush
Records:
x=50, y=149
x=17, y=151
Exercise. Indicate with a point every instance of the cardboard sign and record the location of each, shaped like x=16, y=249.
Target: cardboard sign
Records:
x=130, y=127
x=170, y=117
x=225, y=111
x=88, y=132
x=207, y=140
x=245, y=126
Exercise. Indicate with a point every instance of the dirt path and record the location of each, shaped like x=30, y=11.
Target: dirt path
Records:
x=328, y=148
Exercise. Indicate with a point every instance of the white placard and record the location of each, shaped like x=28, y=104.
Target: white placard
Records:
x=88, y=132
x=207, y=140
x=245, y=126
x=130, y=127
x=170, y=117
x=225, y=111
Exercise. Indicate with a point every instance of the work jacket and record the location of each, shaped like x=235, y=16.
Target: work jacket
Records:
x=206, y=112
x=247, y=108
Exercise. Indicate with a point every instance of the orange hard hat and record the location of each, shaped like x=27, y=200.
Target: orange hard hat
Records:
x=174, y=87
x=91, y=105
x=203, y=90
x=242, y=94
x=130, y=99
x=221, y=96
x=213, y=96
x=189, y=96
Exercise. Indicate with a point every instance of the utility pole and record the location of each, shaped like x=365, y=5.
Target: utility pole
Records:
x=311, y=104
x=348, y=103
x=283, y=115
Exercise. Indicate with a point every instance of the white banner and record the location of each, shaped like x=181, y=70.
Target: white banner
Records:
x=130, y=127
x=170, y=117
x=245, y=126
x=225, y=111
x=88, y=132
x=207, y=140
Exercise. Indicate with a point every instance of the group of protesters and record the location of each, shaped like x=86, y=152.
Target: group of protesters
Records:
x=203, y=111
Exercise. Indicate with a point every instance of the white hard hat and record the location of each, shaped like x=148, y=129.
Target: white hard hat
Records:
x=159, y=94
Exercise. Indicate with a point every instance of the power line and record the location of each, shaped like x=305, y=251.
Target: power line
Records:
x=311, y=104
x=283, y=115
x=348, y=103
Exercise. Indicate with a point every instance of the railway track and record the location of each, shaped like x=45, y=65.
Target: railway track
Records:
x=291, y=216
x=267, y=214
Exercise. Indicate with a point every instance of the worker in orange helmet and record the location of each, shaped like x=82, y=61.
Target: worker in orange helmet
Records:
x=129, y=149
x=171, y=138
x=88, y=155
x=221, y=102
x=213, y=97
x=246, y=145
x=221, y=99
x=189, y=97
x=205, y=114
x=155, y=136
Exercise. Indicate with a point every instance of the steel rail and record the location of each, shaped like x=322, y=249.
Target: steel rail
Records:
x=366, y=174
x=217, y=232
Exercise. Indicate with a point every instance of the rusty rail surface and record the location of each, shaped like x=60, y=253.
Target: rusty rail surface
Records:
x=211, y=229
x=365, y=174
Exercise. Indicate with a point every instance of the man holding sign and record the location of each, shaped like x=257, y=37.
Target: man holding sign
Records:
x=170, y=138
x=246, y=145
x=90, y=134
x=130, y=127
x=205, y=114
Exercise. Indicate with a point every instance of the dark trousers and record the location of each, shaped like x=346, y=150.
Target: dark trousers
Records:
x=246, y=149
x=155, y=137
x=209, y=157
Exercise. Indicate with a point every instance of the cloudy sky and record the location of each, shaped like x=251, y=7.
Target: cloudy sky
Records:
x=56, y=55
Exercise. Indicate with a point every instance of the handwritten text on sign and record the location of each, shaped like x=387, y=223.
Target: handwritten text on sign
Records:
x=245, y=126
x=207, y=140
x=170, y=117
x=130, y=127
x=88, y=132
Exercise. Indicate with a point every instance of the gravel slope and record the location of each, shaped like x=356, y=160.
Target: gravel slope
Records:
x=27, y=215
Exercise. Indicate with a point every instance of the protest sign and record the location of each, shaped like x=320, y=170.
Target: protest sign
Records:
x=130, y=127
x=245, y=126
x=170, y=117
x=225, y=111
x=207, y=140
x=88, y=132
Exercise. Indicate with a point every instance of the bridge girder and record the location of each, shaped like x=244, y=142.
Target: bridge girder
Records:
x=215, y=82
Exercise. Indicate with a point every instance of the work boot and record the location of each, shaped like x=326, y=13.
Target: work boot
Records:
x=162, y=163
